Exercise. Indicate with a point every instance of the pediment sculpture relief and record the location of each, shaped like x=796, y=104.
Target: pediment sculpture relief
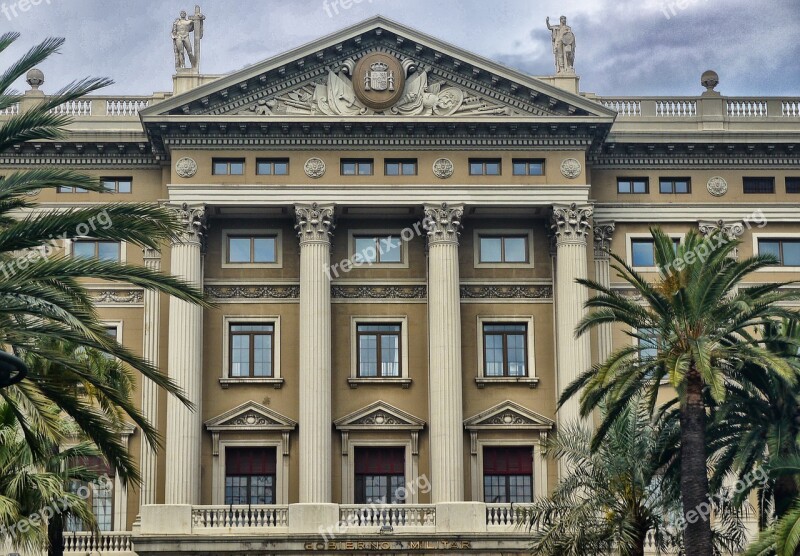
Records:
x=346, y=92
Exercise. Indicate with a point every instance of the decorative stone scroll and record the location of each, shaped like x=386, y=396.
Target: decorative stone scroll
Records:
x=314, y=222
x=570, y=224
x=603, y=232
x=193, y=221
x=443, y=223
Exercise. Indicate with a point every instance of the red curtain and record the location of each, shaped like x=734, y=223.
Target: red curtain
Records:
x=508, y=461
x=250, y=461
x=380, y=461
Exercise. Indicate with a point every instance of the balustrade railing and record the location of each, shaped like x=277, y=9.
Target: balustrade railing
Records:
x=78, y=107
x=10, y=110
x=508, y=515
x=87, y=542
x=747, y=108
x=241, y=517
x=401, y=515
x=125, y=107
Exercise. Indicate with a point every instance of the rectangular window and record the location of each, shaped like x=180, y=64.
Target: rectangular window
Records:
x=643, y=252
x=96, y=249
x=118, y=185
x=675, y=185
x=250, y=476
x=633, y=185
x=528, y=167
x=792, y=185
x=228, y=166
x=380, y=475
x=378, y=350
x=357, y=167
x=100, y=493
x=272, y=167
x=252, y=249
x=787, y=251
x=648, y=343
x=70, y=189
x=503, y=249
x=759, y=185
x=507, y=475
x=251, y=350
x=377, y=250
x=505, y=350
x=485, y=167
x=401, y=167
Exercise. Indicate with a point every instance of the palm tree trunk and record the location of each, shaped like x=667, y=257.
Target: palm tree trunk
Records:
x=694, y=476
x=55, y=534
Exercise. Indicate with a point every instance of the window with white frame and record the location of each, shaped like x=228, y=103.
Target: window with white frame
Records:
x=250, y=475
x=251, y=249
x=251, y=350
x=104, y=250
x=506, y=349
x=642, y=252
x=379, y=349
x=503, y=248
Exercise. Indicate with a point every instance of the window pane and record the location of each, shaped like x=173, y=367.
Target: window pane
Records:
x=681, y=186
x=491, y=250
x=409, y=168
x=240, y=355
x=281, y=168
x=493, y=355
x=237, y=168
x=108, y=251
x=623, y=186
x=348, y=168
x=520, y=168
x=110, y=185
x=83, y=249
x=642, y=253
x=476, y=168
x=366, y=250
x=125, y=186
x=492, y=168
x=365, y=169
x=766, y=247
x=516, y=251
x=264, y=168
x=640, y=186
x=536, y=169
x=516, y=355
x=791, y=253
x=239, y=250
x=368, y=356
x=666, y=187
x=390, y=355
x=390, y=250
x=220, y=168
x=262, y=355
x=392, y=169
x=264, y=249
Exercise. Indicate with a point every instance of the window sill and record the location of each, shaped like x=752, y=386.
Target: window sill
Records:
x=356, y=382
x=483, y=381
x=276, y=383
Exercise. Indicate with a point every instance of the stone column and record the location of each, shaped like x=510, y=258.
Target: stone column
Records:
x=314, y=226
x=185, y=364
x=573, y=355
x=442, y=223
x=603, y=232
x=151, y=333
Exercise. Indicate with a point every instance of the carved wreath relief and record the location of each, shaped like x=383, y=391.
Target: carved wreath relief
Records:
x=571, y=168
x=443, y=168
x=717, y=186
x=315, y=168
x=186, y=167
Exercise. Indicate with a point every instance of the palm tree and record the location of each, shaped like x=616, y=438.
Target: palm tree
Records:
x=700, y=319
x=41, y=294
x=616, y=500
x=782, y=537
x=34, y=489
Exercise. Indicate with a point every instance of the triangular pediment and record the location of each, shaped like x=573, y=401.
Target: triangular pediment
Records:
x=508, y=415
x=430, y=78
x=381, y=416
x=250, y=416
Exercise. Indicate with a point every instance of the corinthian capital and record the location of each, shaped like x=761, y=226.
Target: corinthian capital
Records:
x=571, y=223
x=443, y=222
x=603, y=232
x=192, y=220
x=314, y=222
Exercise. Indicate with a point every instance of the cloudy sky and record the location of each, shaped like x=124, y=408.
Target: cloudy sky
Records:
x=625, y=47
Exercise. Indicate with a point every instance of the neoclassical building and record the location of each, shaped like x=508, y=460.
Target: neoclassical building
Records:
x=390, y=228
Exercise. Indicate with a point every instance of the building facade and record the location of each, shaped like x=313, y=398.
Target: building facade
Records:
x=390, y=228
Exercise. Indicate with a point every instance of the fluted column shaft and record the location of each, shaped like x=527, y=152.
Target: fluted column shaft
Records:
x=442, y=224
x=314, y=226
x=185, y=365
x=151, y=333
x=573, y=355
x=602, y=275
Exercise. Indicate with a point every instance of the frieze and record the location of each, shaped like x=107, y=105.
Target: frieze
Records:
x=253, y=292
x=379, y=418
x=506, y=292
x=379, y=292
x=121, y=297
